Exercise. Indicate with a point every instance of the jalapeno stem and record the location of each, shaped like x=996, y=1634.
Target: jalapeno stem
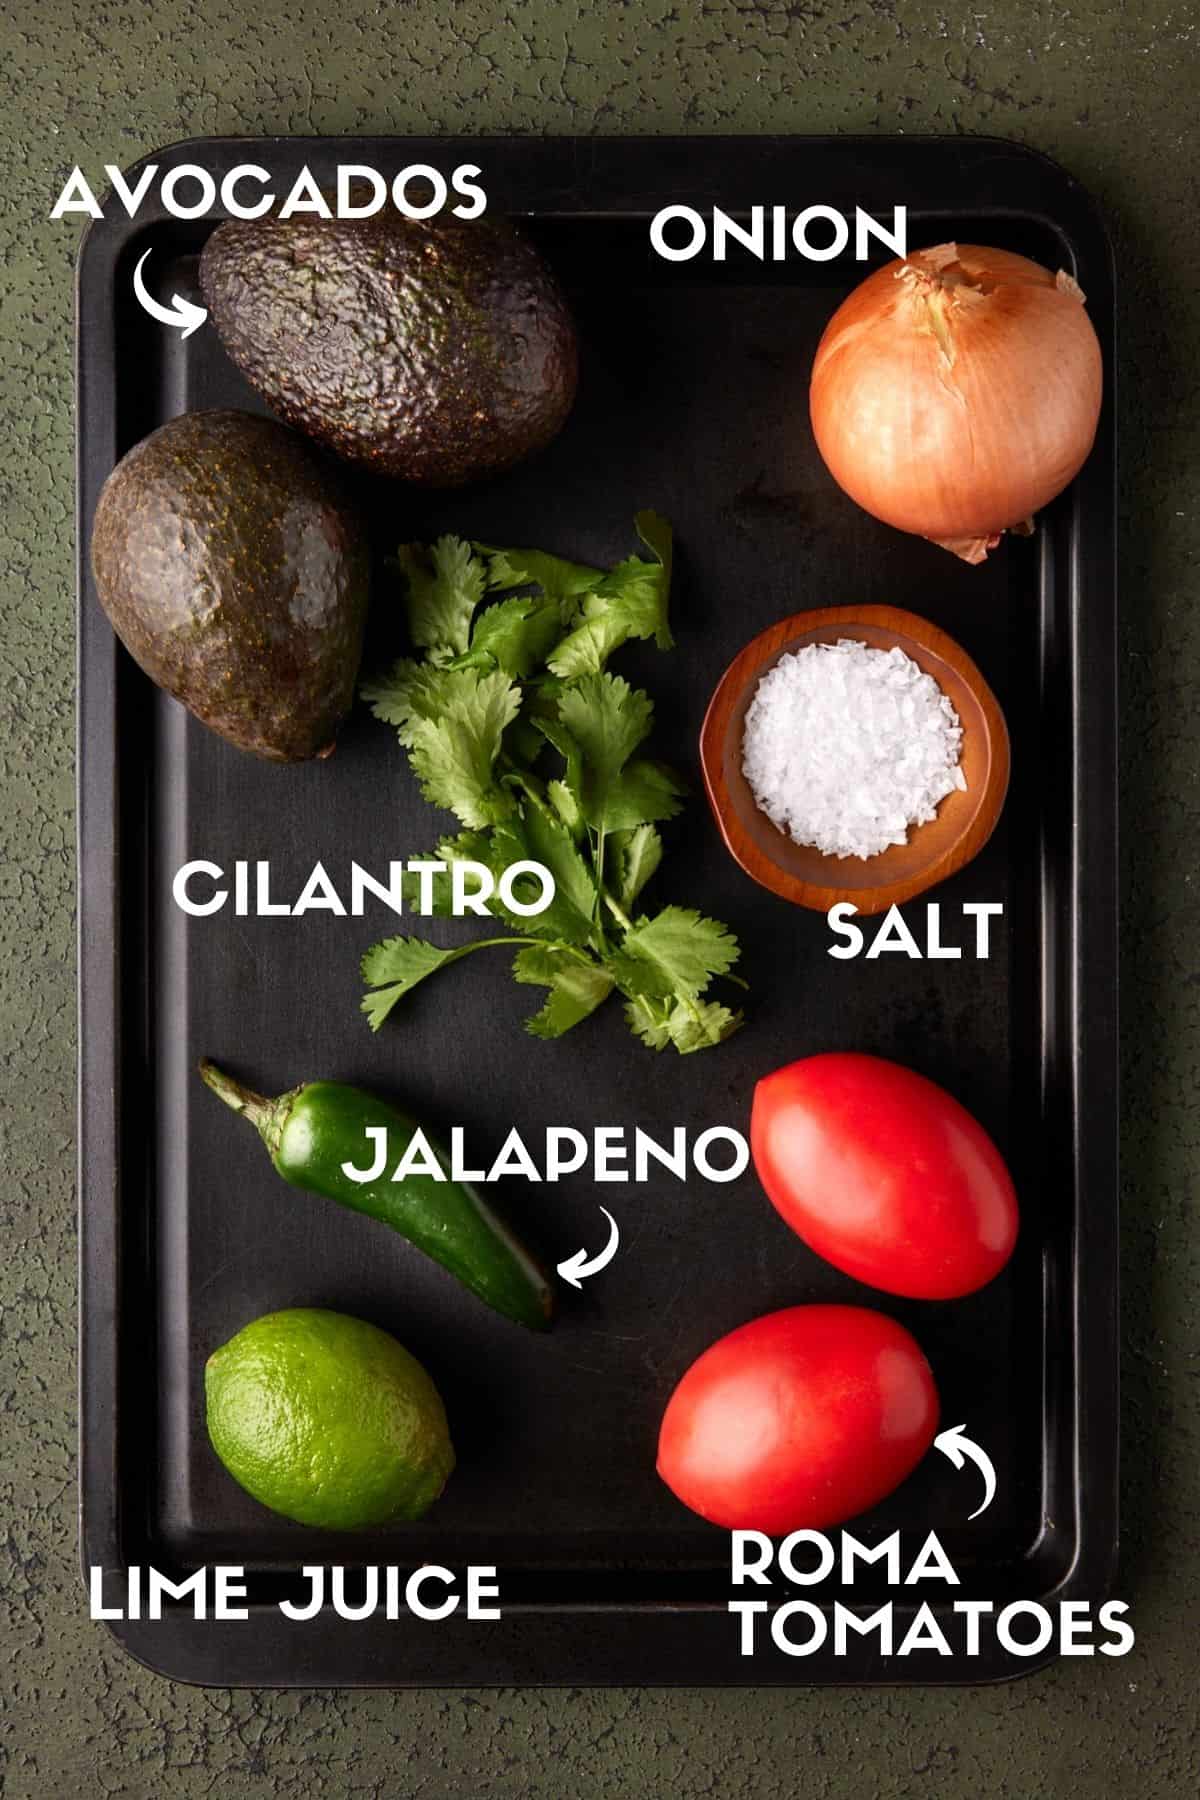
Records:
x=262, y=1113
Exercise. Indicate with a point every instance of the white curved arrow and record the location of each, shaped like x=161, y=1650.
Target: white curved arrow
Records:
x=958, y=1447
x=577, y=1268
x=184, y=314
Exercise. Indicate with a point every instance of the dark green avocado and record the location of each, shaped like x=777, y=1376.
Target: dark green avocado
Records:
x=438, y=351
x=235, y=572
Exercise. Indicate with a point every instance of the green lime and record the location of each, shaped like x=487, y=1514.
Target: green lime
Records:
x=327, y=1420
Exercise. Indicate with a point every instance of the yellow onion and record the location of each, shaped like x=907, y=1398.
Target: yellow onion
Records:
x=956, y=391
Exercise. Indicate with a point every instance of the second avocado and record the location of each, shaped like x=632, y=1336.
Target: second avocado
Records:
x=439, y=351
x=235, y=571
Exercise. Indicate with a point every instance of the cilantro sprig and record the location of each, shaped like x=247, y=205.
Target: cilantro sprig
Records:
x=514, y=723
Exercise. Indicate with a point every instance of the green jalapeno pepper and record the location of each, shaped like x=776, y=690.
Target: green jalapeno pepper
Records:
x=312, y=1131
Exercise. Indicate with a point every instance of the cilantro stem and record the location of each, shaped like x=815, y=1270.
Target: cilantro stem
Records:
x=504, y=943
x=529, y=786
x=617, y=910
x=601, y=890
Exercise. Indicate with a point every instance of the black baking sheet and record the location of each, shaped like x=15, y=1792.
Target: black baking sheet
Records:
x=692, y=400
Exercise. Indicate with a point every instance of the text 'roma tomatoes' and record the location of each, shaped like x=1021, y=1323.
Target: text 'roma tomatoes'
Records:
x=884, y=1174
x=799, y=1420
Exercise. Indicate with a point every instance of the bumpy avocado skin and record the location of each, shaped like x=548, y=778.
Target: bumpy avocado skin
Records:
x=438, y=351
x=235, y=572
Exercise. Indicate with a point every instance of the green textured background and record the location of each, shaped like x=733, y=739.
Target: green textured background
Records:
x=1110, y=90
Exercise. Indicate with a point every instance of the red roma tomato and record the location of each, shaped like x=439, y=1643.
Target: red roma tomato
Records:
x=798, y=1420
x=884, y=1175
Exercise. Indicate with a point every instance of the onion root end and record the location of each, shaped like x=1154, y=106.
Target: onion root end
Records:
x=975, y=549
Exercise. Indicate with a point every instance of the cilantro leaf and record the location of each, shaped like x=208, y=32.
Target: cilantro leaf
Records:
x=643, y=793
x=438, y=888
x=686, y=1025
x=683, y=949
x=410, y=690
x=468, y=846
x=694, y=1027
x=649, y=1020
x=640, y=979
x=608, y=720
x=607, y=795
x=631, y=601
x=523, y=744
x=396, y=966
x=552, y=844
x=454, y=754
x=514, y=635
x=576, y=988
x=587, y=648
x=445, y=585
x=538, y=965
x=556, y=733
x=558, y=579
x=569, y=914
x=637, y=854
x=655, y=532
x=565, y=802
x=565, y=795
x=576, y=993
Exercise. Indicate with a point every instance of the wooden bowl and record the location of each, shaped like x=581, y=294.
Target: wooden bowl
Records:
x=964, y=821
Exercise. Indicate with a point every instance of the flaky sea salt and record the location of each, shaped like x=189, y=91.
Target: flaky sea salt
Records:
x=845, y=747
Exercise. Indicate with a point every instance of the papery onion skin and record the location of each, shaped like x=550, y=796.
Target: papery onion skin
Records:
x=955, y=392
